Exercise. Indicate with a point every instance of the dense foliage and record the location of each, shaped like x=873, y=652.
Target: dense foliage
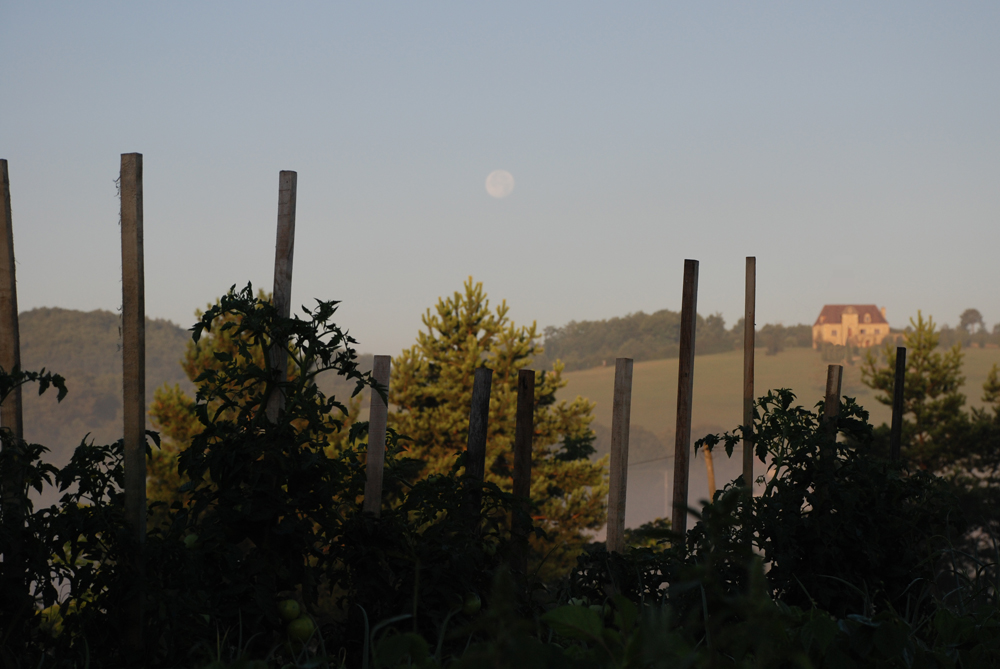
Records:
x=939, y=434
x=268, y=511
x=174, y=412
x=265, y=558
x=432, y=389
x=932, y=400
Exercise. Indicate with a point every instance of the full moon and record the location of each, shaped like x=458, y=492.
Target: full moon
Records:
x=499, y=183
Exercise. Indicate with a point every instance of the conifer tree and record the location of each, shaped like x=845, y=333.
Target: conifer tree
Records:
x=932, y=404
x=432, y=390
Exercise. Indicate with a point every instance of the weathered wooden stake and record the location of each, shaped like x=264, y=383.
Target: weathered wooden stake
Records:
x=13, y=583
x=685, y=392
x=10, y=338
x=524, y=432
x=133, y=343
x=621, y=416
x=896, y=435
x=831, y=406
x=479, y=417
x=134, y=373
x=284, y=249
x=710, y=472
x=749, y=332
x=378, y=416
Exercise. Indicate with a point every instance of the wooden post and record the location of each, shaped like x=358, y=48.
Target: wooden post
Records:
x=378, y=416
x=475, y=455
x=284, y=249
x=710, y=472
x=749, y=332
x=831, y=406
x=13, y=584
x=133, y=343
x=479, y=416
x=896, y=435
x=10, y=338
x=134, y=373
x=524, y=432
x=685, y=392
x=621, y=416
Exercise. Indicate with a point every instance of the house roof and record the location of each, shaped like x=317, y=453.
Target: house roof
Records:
x=832, y=313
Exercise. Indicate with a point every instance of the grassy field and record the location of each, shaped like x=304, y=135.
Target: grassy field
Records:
x=718, y=405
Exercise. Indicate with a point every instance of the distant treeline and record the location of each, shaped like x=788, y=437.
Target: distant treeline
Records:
x=656, y=336
x=978, y=338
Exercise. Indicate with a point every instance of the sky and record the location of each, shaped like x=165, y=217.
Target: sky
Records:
x=852, y=147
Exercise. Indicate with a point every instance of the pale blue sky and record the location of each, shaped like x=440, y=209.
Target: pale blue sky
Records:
x=852, y=147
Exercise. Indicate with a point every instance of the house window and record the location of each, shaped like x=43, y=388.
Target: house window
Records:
x=833, y=332
x=868, y=319
x=862, y=330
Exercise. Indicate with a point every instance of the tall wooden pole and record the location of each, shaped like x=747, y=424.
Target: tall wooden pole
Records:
x=710, y=472
x=749, y=332
x=685, y=393
x=284, y=249
x=13, y=577
x=621, y=416
x=831, y=404
x=10, y=339
x=479, y=415
x=134, y=373
x=524, y=432
x=896, y=435
x=378, y=417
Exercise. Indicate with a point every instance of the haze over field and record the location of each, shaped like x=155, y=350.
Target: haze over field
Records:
x=718, y=407
x=853, y=148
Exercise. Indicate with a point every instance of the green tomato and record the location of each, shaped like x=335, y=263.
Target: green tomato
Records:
x=472, y=604
x=301, y=629
x=289, y=610
x=190, y=540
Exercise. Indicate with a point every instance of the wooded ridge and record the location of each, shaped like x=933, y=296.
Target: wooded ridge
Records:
x=655, y=336
x=84, y=347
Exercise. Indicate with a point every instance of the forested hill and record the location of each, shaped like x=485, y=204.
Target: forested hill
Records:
x=656, y=336
x=84, y=347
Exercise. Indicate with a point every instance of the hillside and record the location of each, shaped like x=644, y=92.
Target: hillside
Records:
x=85, y=348
x=718, y=406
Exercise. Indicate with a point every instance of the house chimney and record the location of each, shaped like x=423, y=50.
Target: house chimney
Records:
x=882, y=309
